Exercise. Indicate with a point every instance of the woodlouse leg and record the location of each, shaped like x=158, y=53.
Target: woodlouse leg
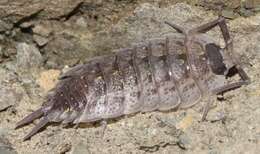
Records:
x=103, y=124
x=244, y=80
x=229, y=87
x=206, y=108
x=223, y=89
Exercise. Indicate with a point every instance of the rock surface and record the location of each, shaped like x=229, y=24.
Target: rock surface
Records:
x=78, y=30
x=28, y=57
x=10, y=92
x=5, y=145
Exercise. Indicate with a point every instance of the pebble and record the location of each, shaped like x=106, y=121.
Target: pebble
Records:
x=27, y=24
x=40, y=40
x=185, y=123
x=81, y=22
x=48, y=79
x=42, y=30
x=184, y=142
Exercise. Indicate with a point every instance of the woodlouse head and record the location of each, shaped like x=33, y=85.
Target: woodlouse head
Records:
x=222, y=61
x=215, y=59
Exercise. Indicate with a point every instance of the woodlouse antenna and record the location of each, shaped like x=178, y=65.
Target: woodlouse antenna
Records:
x=176, y=27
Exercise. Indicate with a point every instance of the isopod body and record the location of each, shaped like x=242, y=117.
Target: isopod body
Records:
x=174, y=72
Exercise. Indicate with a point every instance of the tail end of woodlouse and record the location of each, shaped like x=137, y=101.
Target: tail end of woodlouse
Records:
x=31, y=117
x=28, y=119
x=43, y=122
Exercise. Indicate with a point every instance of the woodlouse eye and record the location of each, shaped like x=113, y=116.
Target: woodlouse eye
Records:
x=215, y=59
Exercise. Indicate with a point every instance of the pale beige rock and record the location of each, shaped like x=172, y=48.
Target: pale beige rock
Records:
x=48, y=79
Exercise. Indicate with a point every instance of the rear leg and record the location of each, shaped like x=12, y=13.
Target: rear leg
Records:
x=208, y=105
x=244, y=80
x=206, y=108
x=103, y=124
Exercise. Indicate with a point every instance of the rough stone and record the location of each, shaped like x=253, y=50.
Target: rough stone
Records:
x=4, y=26
x=141, y=133
x=42, y=30
x=48, y=79
x=68, y=48
x=28, y=57
x=246, y=13
x=3, y=132
x=8, y=97
x=48, y=9
x=41, y=41
x=184, y=141
x=10, y=93
x=81, y=22
x=8, y=52
x=6, y=148
x=5, y=145
x=146, y=22
x=211, y=3
x=250, y=4
x=28, y=24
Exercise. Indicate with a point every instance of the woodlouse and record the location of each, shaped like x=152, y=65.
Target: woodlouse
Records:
x=160, y=74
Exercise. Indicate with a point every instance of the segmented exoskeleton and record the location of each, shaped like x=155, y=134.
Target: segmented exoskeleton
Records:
x=174, y=72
